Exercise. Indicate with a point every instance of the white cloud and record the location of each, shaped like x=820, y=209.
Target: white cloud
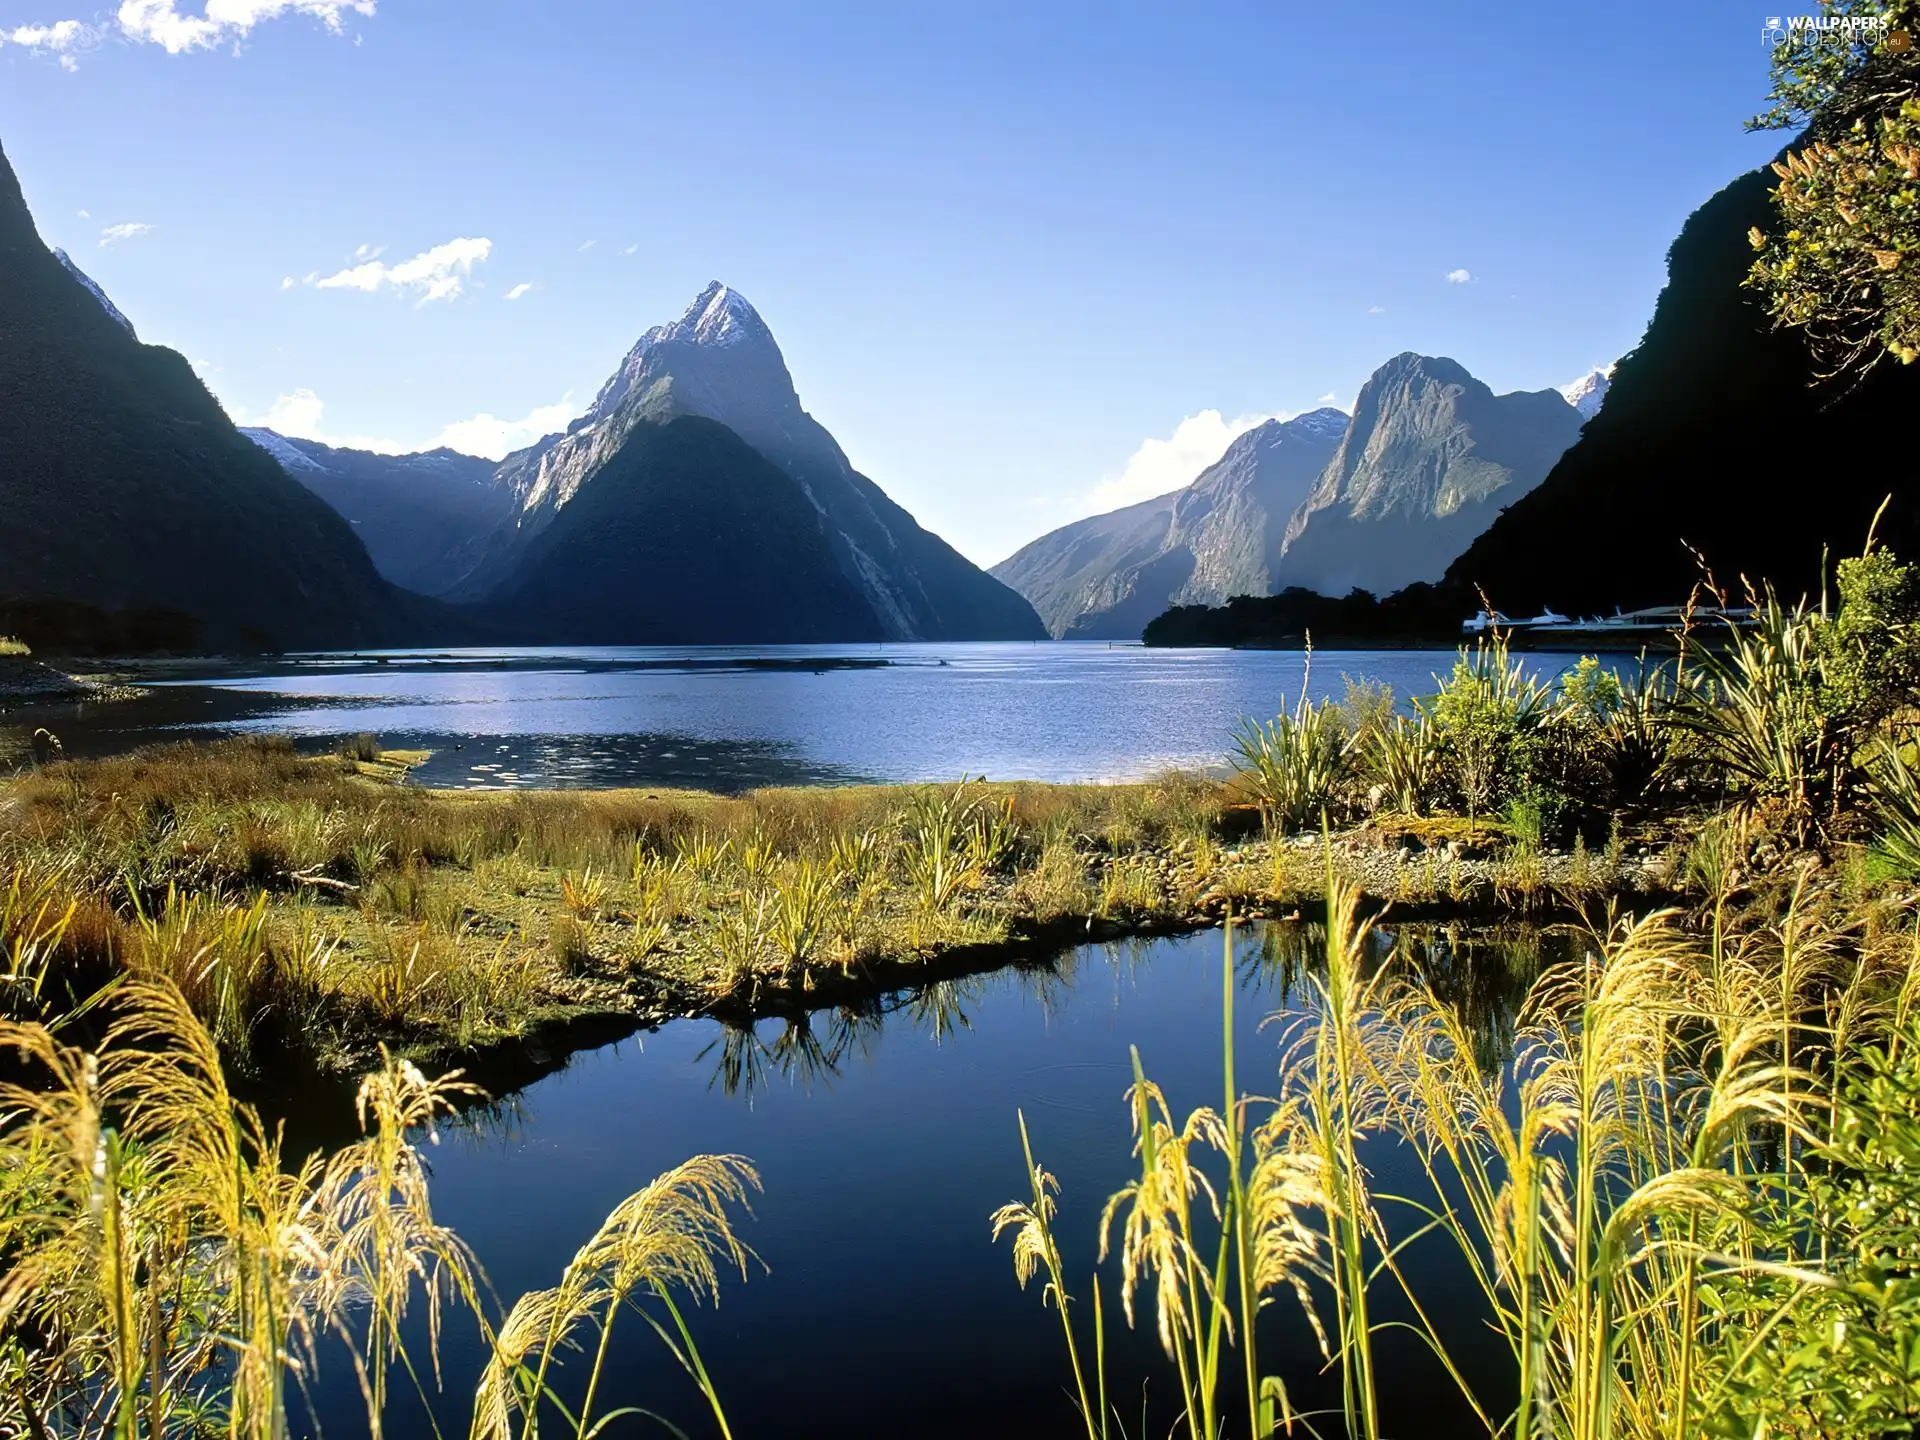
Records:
x=368, y=252
x=629, y=250
x=114, y=234
x=61, y=39
x=1162, y=465
x=302, y=414
x=496, y=439
x=1330, y=398
x=159, y=22
x=517, y=291
x=287, y=282
x=1459, y=277
x=587, y=246
x=436, y=274
x=1376, y=310
x=85, y=216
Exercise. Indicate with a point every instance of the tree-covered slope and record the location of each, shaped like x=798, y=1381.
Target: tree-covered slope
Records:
x=123, y=484
x=1717, y=436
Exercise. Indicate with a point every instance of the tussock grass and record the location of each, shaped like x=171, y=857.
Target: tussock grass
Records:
x=316, y=900
x=172, y=1272
x=1685, y=1192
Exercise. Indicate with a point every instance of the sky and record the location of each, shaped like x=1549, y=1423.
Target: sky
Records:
x=1027, y=261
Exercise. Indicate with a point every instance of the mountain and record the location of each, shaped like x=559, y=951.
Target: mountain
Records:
x=1719, y=435
x=421, y=516
x=1431, y=456
x=124, y=485
x=1589, y=392
x=684, y=534
x=1105, y=577
x=720, y=363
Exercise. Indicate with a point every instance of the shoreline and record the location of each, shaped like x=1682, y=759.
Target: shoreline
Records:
x=485, y=928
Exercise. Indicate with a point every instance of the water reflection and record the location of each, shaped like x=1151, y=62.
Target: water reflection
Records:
x=1481, y=973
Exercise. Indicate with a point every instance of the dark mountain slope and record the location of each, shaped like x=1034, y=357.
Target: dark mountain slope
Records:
x=420, y=516
x=633, y=559
x=123, y=483
x=1715, y=434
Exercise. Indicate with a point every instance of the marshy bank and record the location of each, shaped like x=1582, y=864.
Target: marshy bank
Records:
x=314, y=908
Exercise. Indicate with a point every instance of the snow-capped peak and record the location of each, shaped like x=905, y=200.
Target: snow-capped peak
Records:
x=720, y=315
x=1588, y=392
x=720, y=318
x=290, y=455
x=86, y=280
x=1326, y=422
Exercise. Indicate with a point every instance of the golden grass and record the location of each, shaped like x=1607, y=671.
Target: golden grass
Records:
x=1682, y=1112
x=167, y=1264
x=316, y=899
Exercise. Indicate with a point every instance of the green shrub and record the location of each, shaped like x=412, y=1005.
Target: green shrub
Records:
x=1293, y=764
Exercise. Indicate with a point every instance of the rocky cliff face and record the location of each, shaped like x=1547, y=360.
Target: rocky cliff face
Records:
x=422, y=517
x=1430, y=458
x=720, y=362
x=1105, y=577
x=123, y=484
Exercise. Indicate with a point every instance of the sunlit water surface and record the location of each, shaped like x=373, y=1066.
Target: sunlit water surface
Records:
x=730, y=719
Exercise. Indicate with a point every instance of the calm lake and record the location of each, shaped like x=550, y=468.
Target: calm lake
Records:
x=885, y=1139
x=731, y=719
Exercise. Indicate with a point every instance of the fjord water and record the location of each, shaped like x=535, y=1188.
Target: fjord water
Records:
x=885, y=1139
x=732, y=718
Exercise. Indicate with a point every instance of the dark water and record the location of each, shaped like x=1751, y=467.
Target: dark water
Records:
x=730, y=719
x=885, y=1139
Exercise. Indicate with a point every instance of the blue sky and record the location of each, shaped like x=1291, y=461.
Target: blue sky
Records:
x=1025, y=260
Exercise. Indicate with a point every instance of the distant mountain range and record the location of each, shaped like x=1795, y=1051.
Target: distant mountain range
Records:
x=124, y=486
x=697, y=501
x=1103, y=578
x=1376, y=501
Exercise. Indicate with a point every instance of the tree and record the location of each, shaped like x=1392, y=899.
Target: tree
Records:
x=1844, y=263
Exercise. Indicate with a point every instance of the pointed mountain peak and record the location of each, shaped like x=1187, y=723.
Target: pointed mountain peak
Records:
x=1588, y=392
x=718, y=324
x=719, y=315
x=1410, y=364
